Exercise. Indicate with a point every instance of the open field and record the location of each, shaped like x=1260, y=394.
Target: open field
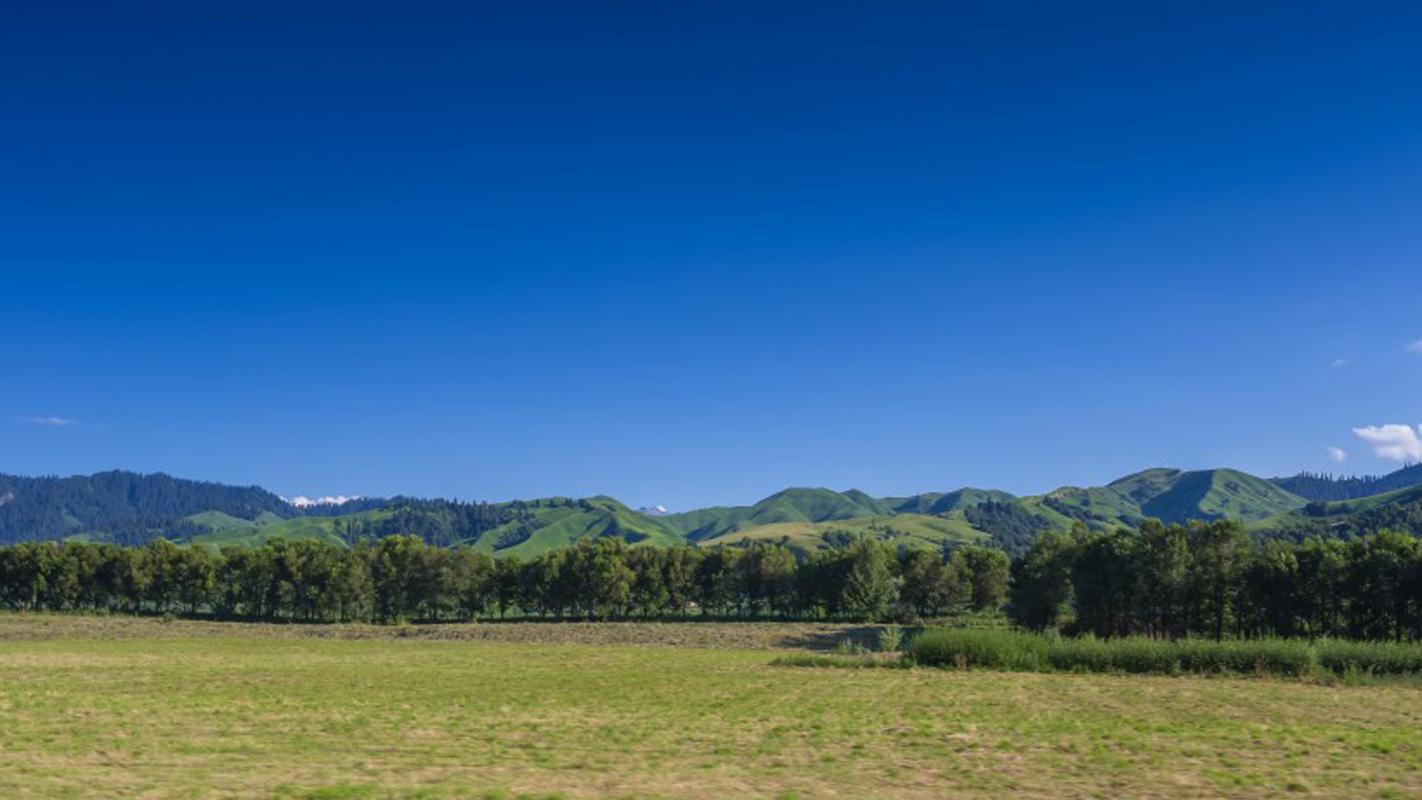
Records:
x=180, y=710
x=715, y=635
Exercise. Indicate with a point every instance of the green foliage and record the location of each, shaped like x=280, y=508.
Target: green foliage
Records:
x=869, y=587
x=891, y=638
x=1372, y=658
x=985, y=572
x=1313, y=486
x=990, y=649
x=1213, y=580
x=1012, y=527
x=1016, y=651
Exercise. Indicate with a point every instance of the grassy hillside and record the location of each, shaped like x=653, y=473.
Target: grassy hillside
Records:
x=945, y=502
x=256, y=533
x=219, y=521
x=1097, y=506
x=1170, y=495
x=554, y=527
x=1176, y=496
x=1396, y=510
x=909, y=530
x=791, y=505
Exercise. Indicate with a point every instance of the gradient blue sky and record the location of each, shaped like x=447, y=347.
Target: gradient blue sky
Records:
x=693, y=253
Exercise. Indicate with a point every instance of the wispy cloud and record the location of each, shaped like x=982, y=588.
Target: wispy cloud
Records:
x=1415, y=347
x=1395, y=442
x=51, y=422
x=1339, y=362
x=1338, y=454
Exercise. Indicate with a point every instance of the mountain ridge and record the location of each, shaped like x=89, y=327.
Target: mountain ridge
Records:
x=131, y=508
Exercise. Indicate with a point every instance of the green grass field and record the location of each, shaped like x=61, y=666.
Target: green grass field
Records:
x=199, y=710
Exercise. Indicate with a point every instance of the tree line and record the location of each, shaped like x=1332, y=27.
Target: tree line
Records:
x=1214, y=580
x=1197, y=580
x=401, y=578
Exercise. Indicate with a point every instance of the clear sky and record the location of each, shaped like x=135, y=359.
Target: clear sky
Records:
x=691, y=253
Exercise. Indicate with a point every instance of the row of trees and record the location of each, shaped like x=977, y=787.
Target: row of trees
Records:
x=1213, y=579
x=1202, y=579
x=402, y=578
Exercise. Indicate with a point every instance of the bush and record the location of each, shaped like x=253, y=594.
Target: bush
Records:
x=1005, y=650
x=1084, y=654
x=1371, y=658
x=1256, y=656
x=1138, y=654
x=891, y=638
x=849, y=647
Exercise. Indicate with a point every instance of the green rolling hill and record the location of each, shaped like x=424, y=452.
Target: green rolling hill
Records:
x=1172, y=495
x=132, y=509
x=253, y=533
x=790, y=505
x=945, y=502
x=552, y=527
x=908, y=530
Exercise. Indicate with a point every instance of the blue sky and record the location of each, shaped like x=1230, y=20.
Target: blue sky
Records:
x=694, y=253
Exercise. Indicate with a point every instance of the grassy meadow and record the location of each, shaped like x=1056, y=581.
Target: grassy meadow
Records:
x=186, y=710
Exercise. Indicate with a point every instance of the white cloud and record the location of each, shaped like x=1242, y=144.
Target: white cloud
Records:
x=1337, y=454
x=1415, y=347
x=51, y=422
x=1339, y=362
x=1395, y=442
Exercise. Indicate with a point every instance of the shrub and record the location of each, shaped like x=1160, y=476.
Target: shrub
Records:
x=1255, y=656
x=1084, y=654
x=1005, y=650
x=849, y=647
x=1372, y=658
x=891, y=638
x=1138, y=654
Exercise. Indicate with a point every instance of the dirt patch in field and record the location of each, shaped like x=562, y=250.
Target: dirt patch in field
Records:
x=714, y=635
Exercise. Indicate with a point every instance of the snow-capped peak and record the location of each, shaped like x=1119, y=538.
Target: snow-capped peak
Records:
x=329, y=500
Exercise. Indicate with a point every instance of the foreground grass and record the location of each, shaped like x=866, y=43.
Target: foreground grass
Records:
x=249, y=716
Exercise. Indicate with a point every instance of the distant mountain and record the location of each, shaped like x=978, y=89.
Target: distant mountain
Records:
x=1172, y=495
x=945, y=502
x=1314, y=486
x=121, y=506
x=790, y=505
x=130, y=508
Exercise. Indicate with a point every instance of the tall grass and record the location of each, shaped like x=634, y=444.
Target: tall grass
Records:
x=1372, y=658
x=1030, y=652
x=991, y=649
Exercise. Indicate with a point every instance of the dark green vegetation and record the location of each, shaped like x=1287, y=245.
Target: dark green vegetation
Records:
x=1312, y=486
x=262, y=711
x=1032, y=652
x=1214, y=580
x=125, y=508
x=1167, y=582
x=401, y=578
